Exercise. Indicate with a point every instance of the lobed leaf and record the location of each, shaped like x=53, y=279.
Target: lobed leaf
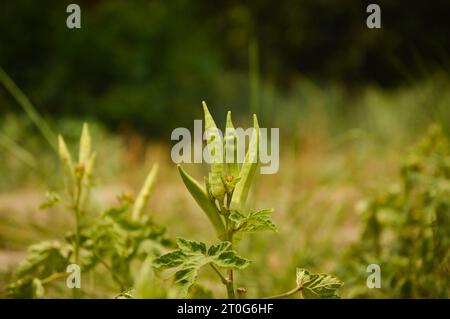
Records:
x=192, y=255
x=44, y=259
x=230, y=259
x=191, y=246
x=169, y=260
x=253, y=222
x=25, y=288
x=315, y=286
x=219, y=248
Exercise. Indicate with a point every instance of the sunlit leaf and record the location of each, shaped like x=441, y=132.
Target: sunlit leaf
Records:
x=315, y=286
x=192, y=255
x=53, y=198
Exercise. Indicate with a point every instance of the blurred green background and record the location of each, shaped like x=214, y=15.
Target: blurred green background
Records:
x=148, y=64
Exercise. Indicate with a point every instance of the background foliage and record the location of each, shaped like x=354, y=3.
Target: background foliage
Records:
x=147, y=64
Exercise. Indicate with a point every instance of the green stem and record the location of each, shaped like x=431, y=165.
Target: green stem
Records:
x=230, y=285
x=28, y=107
x=77, y=209
x=222, y=278
x=54, y=276
x=77, y=223
x=230, y=277
x=286, y=294
x=228, y=282
x=113, y=274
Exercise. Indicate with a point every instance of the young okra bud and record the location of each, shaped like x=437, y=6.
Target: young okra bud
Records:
x=144, y=194
x=85, y=166
x=215, y=152
x=247, y=172
x=69, y=169
x=231, y=149
x=85, y=145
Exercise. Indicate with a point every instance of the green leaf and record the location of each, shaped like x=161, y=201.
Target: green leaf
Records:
x=116, y=212
x=230, y=259
x=219, y=248
x=315, y=286
x=169, y=260
x=190, y=246
x=44, y=259
x=247, y=172
x=25, y=288
x=120, y=216
x=186, y=277
x=253, y=222
x=53, y=198
x=38, y=288
x=202, y=199
x=192, y=255
x=144, y=194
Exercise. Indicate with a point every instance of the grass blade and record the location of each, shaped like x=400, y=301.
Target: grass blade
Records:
x=28, y=107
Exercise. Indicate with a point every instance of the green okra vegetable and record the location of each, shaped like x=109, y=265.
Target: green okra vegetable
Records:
x=231, y=148
x=112, y=239
x=85, y=145
x=203, y=201
x=86, y=180
x=247, y=172
x=144, y=194
x=215, y=150
x=229, y=220
x=86, y=161
x=69, y=170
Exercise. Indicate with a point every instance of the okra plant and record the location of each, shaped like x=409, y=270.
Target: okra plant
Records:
x=407, y=227
x=223, y=199
x=112, y=239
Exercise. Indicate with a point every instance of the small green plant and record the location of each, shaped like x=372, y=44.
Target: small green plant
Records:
x=112, y=239
x=224, y=201
x=407, y=227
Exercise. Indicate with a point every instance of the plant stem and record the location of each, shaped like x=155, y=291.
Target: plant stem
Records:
x=230, y=278
x=77, y=229
x=77, y=224
x=230, y=285
x=228, y=282
x=113, y=274
x=54, y=276
x=28, y=107
x=286, y=294
x=222, y=278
